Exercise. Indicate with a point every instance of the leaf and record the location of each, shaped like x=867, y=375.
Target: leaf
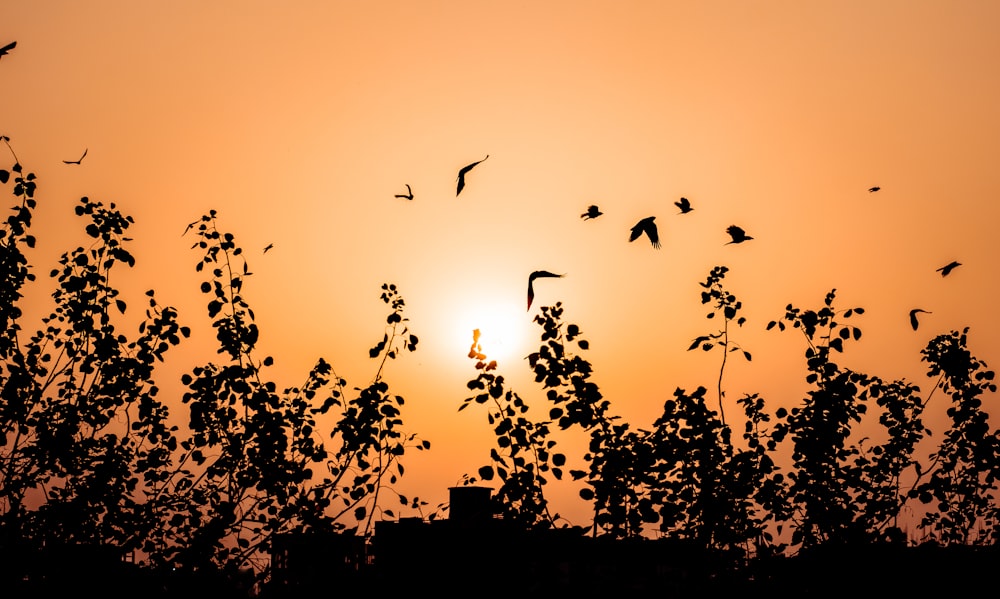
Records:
x=697, y=342
x=486, y=473
x=120, y=305
x=4, y=176
x=360, y=512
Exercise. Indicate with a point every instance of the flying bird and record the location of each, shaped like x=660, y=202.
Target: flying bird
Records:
x=7, y=48
x=269, y=246
x=684, y=204
x=592, y=212
x=408, y=195
x=913, y=317
x=531, y=281
x=462, y=173
x=947, y=268
x=738, y=235
x=648, y=227
x=874, y=189
x=77, y=161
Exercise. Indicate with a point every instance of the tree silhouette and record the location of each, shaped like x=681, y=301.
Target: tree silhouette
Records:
x=90, y=454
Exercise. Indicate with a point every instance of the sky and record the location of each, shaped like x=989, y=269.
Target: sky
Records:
x=299, y=122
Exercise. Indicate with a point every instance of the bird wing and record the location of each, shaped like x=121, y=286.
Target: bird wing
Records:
x=643, y=226
x=461, y=174
x=652, y=233
x=531, y=279
x=947, y=268
x=913, y=317
x=78, y=160
x=7, y=48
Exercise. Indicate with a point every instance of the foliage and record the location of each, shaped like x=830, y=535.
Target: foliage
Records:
x=727, y=305
x=91, y=455
x=687, y=480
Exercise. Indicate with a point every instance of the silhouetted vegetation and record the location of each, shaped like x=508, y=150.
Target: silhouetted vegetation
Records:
x=686, y=479
x=94, y=465
x=92, y=458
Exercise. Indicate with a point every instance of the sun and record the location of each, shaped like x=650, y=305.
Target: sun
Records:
x=502, y=329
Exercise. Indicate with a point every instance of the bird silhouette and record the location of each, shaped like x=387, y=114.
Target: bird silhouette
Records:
x=684, y=204
x=648, y=227
x=408, y=195
x=531, y=280
x=269, y=246
x=738, y=235
x=7, y=48
x=913, y=317
x=592, y=212
x=947, y=268
x=78, y=161
x=463, y=172
x=874, y=189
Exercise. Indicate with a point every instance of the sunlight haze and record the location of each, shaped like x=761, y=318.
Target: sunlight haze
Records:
x=299, y=122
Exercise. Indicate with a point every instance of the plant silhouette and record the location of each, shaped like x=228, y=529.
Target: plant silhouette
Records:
x=726, y=304
x=92, y=457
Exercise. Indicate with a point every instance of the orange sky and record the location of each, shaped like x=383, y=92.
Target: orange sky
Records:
x=299, y=121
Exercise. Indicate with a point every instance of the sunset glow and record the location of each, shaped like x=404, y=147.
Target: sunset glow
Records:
x=301, y=124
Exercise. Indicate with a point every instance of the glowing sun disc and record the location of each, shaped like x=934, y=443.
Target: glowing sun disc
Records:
x=502, y=330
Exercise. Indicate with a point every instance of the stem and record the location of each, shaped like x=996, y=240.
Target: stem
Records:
x=722, y=368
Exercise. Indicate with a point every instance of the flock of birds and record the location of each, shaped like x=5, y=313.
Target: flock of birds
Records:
x=647, y=226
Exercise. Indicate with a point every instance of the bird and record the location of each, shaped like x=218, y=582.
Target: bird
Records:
x=7, y=48
x=947, y=268
x=408, y=195
x=592, y=212
x=684, y=204
x=648, y=227
x=77, y=161
x=531, y=279
x=269, y=246
x=738, y=235
x=913, y=317
x=462, y=173
x=874, y=189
